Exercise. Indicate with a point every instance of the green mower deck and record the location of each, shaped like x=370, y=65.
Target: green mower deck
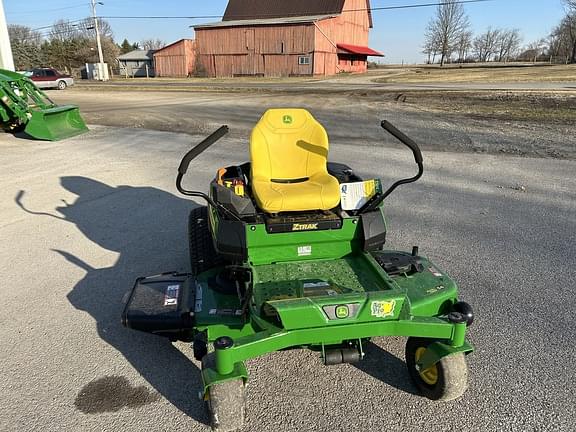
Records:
x=325, y=304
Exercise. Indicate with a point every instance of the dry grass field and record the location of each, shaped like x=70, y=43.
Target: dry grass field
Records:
x=539, y=107
x=477, y=74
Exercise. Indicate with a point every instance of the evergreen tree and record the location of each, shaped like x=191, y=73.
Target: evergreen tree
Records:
x=126, y=47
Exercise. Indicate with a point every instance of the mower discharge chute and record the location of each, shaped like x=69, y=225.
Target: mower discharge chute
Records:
x=23, y=107
x=289, y=253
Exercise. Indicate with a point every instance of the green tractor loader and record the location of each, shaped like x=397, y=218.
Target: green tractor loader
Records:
x=288, y=254
x=23, y=107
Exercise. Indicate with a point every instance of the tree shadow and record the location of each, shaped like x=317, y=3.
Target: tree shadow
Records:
x=386, y=367
x=146, y=227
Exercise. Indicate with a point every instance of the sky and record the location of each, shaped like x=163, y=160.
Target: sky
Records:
x=397, y=33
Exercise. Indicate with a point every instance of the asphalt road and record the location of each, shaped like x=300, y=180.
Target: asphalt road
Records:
x=348, y=117
x=340, y=84
x=81, y=219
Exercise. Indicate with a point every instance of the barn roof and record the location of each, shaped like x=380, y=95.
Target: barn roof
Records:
x=138, y=54
x=262, y=9
x=172, y=44
x=267, y=21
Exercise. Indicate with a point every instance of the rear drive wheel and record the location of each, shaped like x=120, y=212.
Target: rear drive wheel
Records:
x=203, y=256
x=62, y=85
x=226, y=402
x=446, y=380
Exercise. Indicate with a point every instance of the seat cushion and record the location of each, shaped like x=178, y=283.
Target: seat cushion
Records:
x=320, y=192
x=289, y=151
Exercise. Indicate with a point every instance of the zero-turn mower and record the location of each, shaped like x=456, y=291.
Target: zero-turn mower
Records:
x=289, y=253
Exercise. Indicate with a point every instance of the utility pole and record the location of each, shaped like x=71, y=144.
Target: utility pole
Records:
x=102, y=69
x=6, y=59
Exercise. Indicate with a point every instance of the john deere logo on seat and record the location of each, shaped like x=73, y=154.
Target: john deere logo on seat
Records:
x=287, y=119
x=304, y=227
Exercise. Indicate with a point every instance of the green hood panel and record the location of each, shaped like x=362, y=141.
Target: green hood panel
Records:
x=325, y=311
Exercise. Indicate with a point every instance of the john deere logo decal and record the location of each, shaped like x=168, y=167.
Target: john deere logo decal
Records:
x=304, y=227
x=342, y=312
x=383, y=309
x=287, y=119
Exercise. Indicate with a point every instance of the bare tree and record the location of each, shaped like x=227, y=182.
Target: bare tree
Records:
x=431, y=46
x=152, y=44
x=86, y=28
x=446, y=27
x=485, y=45
x=72, y=44
x=26, y=45
x=64, y=30
x=463, y=45
x=569, y=27
x=563, y=41
x=566, y=32
x=24, y=35
x=507, y=44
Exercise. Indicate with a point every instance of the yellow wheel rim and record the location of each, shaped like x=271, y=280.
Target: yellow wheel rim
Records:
x=429, y=375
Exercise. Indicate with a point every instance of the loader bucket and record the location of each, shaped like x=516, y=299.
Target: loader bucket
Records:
x=57, y=123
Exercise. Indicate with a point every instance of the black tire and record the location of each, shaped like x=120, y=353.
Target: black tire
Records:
x=447, y=380
x=62, y=85
x=203, y=256
x=200, y=345
x=226, y=402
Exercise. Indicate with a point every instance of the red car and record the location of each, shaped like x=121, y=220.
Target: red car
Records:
x=50, y=78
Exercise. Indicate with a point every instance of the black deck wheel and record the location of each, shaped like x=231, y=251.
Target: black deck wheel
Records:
x=225, y=402
x=446, y=380
x=203, y=256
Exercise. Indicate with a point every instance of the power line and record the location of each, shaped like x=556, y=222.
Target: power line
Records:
x=166, y=17
x=382, y=8
x=55, y=25
x=421, y=5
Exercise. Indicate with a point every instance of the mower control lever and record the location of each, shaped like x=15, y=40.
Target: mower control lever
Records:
x=405, y=139
x=201, y=148
x=193, y=154
x=375, y=202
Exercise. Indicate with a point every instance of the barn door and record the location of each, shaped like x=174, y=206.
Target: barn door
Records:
x=250, y=36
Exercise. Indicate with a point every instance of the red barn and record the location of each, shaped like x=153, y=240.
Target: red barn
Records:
x=286, y=38
x=176, y=60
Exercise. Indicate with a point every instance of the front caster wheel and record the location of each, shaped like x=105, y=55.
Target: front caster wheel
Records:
x=226, y=402
x=446, y=380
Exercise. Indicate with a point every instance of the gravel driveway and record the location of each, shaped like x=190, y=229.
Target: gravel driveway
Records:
x=81, y=219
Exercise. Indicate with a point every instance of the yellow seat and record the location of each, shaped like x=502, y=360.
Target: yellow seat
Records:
x=289, y=151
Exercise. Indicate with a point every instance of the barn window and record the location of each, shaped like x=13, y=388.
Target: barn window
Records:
x=282, y=47
x=304, y=60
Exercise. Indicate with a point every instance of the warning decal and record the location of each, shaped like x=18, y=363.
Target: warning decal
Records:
x=171, y=296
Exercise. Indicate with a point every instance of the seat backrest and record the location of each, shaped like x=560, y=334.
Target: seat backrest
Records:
x=288, y=144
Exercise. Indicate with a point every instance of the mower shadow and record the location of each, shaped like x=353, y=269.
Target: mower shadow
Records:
x=146, y=227
x=386, y=367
